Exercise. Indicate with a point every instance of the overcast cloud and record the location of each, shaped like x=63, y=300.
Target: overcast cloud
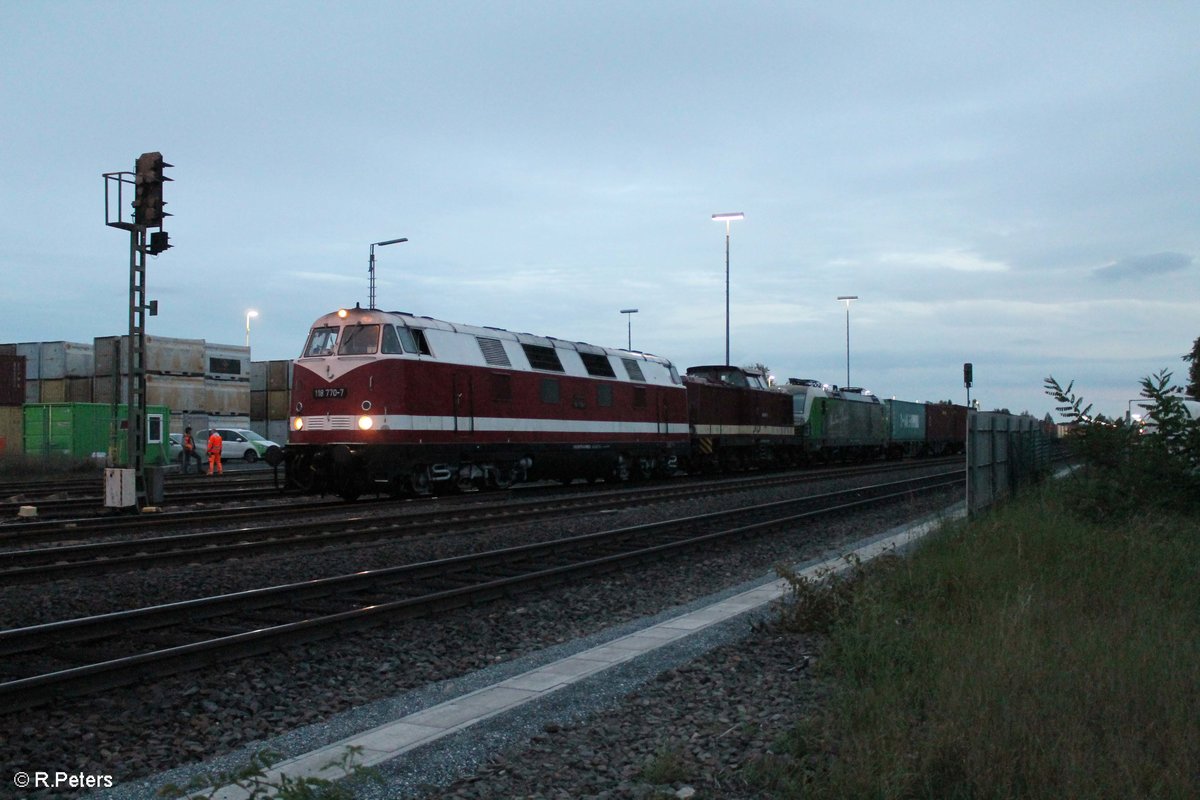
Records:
x=1008, y=184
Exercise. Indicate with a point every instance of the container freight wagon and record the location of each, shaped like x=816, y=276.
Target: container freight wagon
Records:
x=80, y=430
x=907, y=428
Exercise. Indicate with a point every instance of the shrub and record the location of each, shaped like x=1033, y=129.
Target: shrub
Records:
x=1126, y=467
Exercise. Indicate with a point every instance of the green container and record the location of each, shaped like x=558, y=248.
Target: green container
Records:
x=907, y=421
x=80, y=430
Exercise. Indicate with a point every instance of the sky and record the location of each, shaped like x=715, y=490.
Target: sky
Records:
x=1008, y=184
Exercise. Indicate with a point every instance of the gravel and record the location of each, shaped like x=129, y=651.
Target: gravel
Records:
x=704, y=717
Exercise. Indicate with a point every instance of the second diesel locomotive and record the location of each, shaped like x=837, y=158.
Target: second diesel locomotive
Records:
x=389, y=402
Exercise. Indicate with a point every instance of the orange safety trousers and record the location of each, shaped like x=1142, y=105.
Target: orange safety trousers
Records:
x=214, y=455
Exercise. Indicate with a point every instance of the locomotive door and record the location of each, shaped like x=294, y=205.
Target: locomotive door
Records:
x=463, y=400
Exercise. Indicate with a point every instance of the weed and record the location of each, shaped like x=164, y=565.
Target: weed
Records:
x=667, y=766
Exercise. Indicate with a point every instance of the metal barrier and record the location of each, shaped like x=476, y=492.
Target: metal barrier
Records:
x=1004, y=452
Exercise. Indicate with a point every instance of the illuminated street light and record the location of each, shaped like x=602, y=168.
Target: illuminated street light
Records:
x=727, y=218
x=629, y=312
x=848, y=299
x=249, y=314
x=371, y=268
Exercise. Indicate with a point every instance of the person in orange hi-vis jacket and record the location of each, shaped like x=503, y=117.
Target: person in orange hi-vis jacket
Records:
x=214, y=453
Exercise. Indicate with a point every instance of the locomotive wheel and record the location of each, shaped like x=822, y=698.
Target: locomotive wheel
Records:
x=622, y=471
x=420, y=480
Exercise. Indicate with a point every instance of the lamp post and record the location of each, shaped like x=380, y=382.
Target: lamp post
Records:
x=727, y=218
x=629, y=312
x=250, y=313
x=848, y=299
x=371, y=268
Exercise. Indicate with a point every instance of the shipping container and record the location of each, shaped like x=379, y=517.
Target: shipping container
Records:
x=226, y=397
x=67, y=360
x=32, y=351
x=945, y=428
x=277, y=431
x=907, y=425
x=164, y=355
x=81, y=430
x=279, y=376
x=12, y=430
x=267, y=405
x=227, y=362
x=273, y=376
x=48, y=390
x=79, y=390
x=12, y=380
x=54, y=360
x=178, y=392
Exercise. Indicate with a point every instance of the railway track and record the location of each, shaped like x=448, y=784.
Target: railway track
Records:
x=55, y=552
x=59, y=499
x=42, y=663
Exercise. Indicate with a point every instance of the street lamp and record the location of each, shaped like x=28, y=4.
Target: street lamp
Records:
x=250, y=313
x=727, y=218
x=371, y=267
x=629, y=312
x=848, y=299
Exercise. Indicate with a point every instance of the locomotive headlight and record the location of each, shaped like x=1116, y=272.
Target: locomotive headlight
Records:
x=365, y=423
x=298, y=423
x=342, y=313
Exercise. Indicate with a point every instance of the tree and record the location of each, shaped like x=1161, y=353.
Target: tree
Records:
x=1193, y=385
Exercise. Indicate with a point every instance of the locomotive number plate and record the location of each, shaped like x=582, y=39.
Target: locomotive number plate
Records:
x=329, y=392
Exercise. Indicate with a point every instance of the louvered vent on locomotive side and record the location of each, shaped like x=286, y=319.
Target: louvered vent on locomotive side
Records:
x=493, y=352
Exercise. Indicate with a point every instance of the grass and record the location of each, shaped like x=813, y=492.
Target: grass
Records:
x=1025, y=655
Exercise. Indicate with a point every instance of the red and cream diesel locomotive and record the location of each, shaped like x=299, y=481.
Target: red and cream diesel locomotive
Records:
x=389, y=402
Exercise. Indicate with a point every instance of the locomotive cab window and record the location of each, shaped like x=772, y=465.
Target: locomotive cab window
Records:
x=391, y=342
x=359, y=340
x=413, y=340
x=321, y=342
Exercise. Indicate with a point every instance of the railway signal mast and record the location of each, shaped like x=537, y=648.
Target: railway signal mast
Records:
x=146, y=182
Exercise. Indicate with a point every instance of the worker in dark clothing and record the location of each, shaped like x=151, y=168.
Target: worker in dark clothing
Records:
x=189, y=452
x=214, y=454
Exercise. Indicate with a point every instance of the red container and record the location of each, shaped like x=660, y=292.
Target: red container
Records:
x=945, y=428
x=12, y=380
